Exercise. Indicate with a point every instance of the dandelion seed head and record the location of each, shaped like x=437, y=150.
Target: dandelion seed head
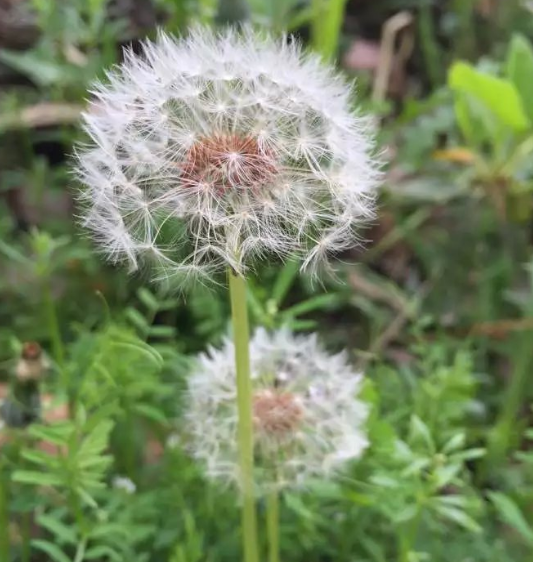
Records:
x=308, y=420
x=233, y=142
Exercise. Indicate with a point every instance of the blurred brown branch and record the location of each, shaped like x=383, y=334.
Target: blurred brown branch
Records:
x=43, y=114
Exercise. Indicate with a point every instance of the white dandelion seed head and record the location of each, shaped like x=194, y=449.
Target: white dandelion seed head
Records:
x=220, y=149
x=308, y=419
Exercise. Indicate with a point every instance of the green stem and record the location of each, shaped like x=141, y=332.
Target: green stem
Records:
x=429, y=45
x=53, y=326
x=54, y=333
x=129, y=447
x=4, y=517
x=27, y=520
x=272, y=512
x=239, y=314
x=409, y=534
x=504, y=433
x=80, y=551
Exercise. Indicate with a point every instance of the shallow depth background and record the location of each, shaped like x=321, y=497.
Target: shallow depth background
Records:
x=437, y=309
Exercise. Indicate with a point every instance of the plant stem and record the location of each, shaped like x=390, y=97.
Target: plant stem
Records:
x=506, y=428
x=54, y=334
x=53, y=327
x=4, y=517
x=429, y=45
x=80, y=551
x=239, y=314
x=27, y=520
x=272, y=512
x=409, y=533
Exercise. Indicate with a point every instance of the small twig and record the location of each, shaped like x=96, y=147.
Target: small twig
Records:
x=43, y=114
x=394, y=328
x=376, y=293
x=387, y=52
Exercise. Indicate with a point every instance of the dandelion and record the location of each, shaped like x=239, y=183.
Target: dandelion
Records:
x=216, y=150
x=210, y=153
x=308, y=420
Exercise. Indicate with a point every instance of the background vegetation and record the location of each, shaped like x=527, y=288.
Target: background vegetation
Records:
x=438, y=310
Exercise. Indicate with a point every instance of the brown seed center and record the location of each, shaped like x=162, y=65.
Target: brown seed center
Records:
x=276, y=413
x=222, y=162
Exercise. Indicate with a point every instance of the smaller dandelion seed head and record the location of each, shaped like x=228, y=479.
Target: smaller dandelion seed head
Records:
x=276, y=414
x=307, y=418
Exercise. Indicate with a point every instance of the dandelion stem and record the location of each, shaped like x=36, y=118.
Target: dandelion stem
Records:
x=241, y=338
x=272, y=513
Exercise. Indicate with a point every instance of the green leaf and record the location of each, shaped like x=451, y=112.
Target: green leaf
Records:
x=284, y=281
x=148, y=299
x=326, y=26
x=444, y=475
x=454, y=501
x=458, y=516
x=34, y=65
x=467, y=455
x=57, y=528
x=456, y=442
x=162, y=332
x=149, y=353
x=86, y=498
x=314, y=303
x=296, y=504
x=419, y=430
x=498, y=94
x=519, y=68
x=109, y=530
x=14, y=255
x=429, y=189
x=472, y=129
x=137, y=319
x=255, y=306
x=405, y=514
x=57, y=434
x=97, y=441
x=150, y=412
x=52, y=550
x=36, y=478
x=510, y=514
x=101, y=551
x=300, y=325
x=38, y=457
x=416, y=467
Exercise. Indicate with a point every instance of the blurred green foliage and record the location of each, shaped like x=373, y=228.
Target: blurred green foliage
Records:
x=438, y=312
